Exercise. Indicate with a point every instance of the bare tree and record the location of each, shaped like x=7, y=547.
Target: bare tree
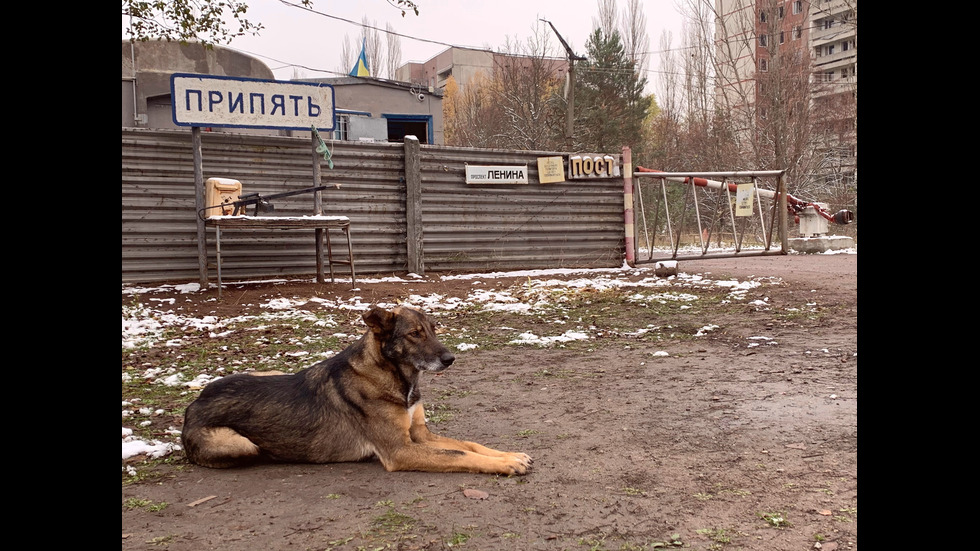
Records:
x=371, y=39
x=636, y=42
x=529, y=78
x=668, y=92
x=469, y=114
x=394, y=52
x=743, y=100
x=606, y=22
x=347, y=55
x=518, y=106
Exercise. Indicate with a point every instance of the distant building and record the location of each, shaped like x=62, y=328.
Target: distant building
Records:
x=147, y=67
x=464, y=65
x=833, y=44
x=747, y=32
x=379, y=109
x=366, y=108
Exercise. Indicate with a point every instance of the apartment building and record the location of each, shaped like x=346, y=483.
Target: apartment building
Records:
x=833, y=45
x=755, y=38
x=833, y=40
x=463, y=64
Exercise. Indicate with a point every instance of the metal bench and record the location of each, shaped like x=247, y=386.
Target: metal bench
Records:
x=320, y=224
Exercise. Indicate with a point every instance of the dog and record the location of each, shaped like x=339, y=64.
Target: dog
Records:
x=361, y=404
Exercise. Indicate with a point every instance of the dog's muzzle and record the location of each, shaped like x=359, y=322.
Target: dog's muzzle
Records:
x=445, y=360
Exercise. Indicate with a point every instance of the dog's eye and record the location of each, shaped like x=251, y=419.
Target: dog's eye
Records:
x=415, y=334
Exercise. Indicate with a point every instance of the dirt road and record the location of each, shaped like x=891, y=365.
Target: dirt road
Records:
x=743, y=438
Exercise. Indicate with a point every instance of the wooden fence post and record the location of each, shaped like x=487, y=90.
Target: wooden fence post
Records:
x=199, y=191
x=413, y=205
x=318, y=210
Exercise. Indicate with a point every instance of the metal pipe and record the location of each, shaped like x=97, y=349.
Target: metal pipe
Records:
x=628, y=205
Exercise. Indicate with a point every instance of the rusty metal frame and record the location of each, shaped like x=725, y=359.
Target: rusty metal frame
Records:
x=778, y=212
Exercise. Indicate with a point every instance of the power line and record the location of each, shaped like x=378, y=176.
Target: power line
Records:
x=426, y=40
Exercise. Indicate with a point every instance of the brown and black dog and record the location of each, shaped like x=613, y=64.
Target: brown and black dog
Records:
x=362, y=403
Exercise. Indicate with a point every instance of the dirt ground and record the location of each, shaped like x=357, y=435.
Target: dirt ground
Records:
x=743, y=439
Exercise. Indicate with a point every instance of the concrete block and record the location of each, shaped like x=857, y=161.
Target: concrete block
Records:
x=813, y=245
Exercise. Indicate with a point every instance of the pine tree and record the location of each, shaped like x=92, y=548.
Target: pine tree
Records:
x=610, y=107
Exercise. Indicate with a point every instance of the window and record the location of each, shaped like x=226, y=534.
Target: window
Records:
x=762, y=40
x=797, y=7
x=797, y=32
x=844, y=46
x=762, y=16
x=341, y=127
x=782, y=37
x=828, y=24
x=782, y=14
x=400, y=126
x=763, y=65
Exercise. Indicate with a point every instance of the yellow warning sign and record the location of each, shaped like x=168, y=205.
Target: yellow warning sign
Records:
x=550, y=170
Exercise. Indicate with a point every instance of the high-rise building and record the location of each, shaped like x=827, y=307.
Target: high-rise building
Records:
x=833, y=46
x=764, y=48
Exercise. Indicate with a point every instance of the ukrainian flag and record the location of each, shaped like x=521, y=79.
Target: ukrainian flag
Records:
x=361, y=67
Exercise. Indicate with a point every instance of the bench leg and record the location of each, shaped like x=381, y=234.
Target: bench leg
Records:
x=329, y=254
x=318, y=233
x=217, y=256
x=350, y=256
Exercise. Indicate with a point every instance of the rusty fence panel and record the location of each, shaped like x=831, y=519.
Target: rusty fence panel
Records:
x=464, y=227
x=159, y=225
x=477, y=227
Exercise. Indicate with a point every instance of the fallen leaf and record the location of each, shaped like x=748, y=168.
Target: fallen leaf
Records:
x=825, y=512
x=799, y=446
x=475, y=494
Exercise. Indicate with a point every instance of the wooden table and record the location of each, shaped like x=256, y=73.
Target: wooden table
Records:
x=320, y=225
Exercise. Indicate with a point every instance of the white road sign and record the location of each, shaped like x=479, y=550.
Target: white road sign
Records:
x=207, y=100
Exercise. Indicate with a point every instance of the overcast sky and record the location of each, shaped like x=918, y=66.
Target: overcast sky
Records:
x=309, y=43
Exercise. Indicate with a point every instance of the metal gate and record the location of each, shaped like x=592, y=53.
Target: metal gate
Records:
x=696, y=215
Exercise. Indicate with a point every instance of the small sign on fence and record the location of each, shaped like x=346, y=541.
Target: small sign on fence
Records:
x=588, y=166
x=550, y=170
x=743, y=199
x=476, y=174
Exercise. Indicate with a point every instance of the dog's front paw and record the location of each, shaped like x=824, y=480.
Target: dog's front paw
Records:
x=520, y=463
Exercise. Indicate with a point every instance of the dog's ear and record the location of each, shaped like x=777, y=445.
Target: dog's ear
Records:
x=378, y=319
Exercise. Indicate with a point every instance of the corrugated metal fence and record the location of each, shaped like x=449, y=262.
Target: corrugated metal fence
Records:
x=464, y=227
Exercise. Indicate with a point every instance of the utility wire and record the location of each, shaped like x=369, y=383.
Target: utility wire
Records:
x=813, y=26
x=439, y=43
